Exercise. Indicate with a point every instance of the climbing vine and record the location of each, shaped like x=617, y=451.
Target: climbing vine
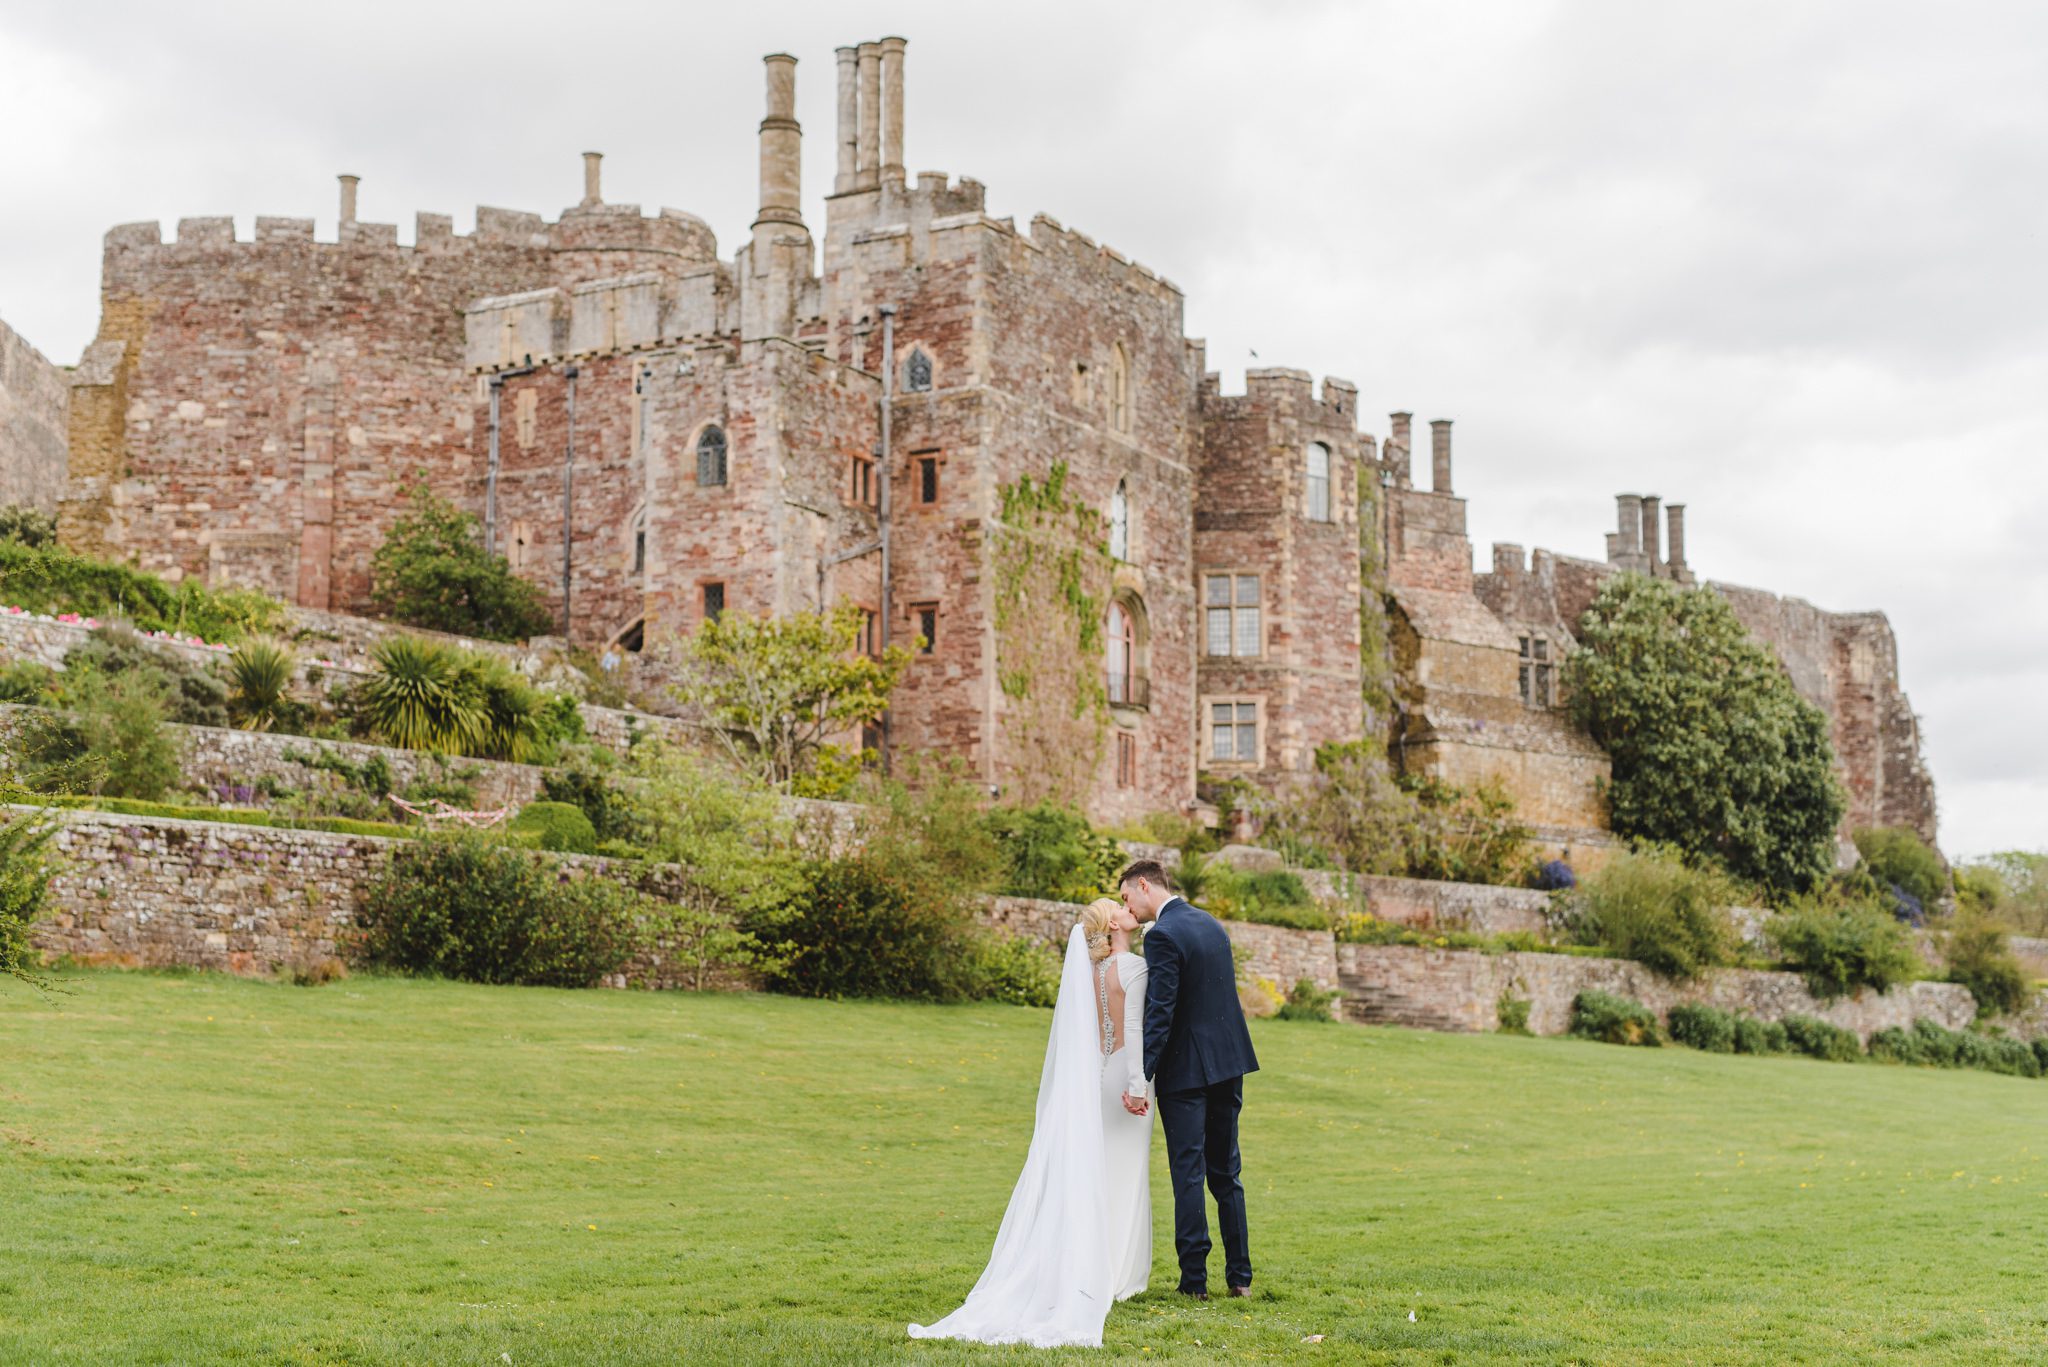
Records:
x=1375, y=649
x=1052, y=584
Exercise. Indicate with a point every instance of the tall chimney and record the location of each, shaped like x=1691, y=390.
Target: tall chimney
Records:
x=591, y=161
x=1398, y=438
x=892, y=110
x=1653, y=539
x=869, y=152
x=1674, y=535
x=781, y=145
x=1440, y=456
x=348, y=197
x=849, y=117
x=1628, y=516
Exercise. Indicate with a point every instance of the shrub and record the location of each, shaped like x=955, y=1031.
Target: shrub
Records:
x=30, y=527
x=234, y=816
x=1274, y=897
x=1899, y=858
x=1705, y=1028
x=1753, y=1036
x=1011, y=968
x=27, y=864
x=1842, y=943
x=1713, y=749
x=1821, y=1040
x=554, y=826
x=1652, y=907
x=474, y=907
x=1928, y=1045
x=1981, y=959
x=112, y=740
x=2041, y=1054
x=27, y=681
x=261, y=670
x=585, y=784
x=1513, y=1014
x=52, y=579
x=193, y=694
x=859, y=929
x=509, y=709
x=1050, y=851
x=1893, y=1045
x=432, y=572
x=1307, y=1002
x=1554, y=875
x=1613, y=1020
x=419, y=697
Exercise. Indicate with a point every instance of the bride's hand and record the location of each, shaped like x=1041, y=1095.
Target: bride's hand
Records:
x=1135, y=1105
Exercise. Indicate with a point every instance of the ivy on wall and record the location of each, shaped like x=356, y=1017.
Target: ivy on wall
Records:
x=1375, y=648
x=1053, y=576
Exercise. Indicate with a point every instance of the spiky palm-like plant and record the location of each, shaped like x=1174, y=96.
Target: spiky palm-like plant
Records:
x=422, y=697
x=262, y=673
x=510, y=707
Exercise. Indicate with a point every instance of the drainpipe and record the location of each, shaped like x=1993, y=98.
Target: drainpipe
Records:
x=887, y=468
x=568, y=500
x=497, y=385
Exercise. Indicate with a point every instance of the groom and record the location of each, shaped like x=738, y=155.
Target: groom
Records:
x=1197, y=1052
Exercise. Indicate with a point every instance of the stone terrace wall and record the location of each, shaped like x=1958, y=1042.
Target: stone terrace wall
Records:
x=1474, y=907
x=1274, y=953
x=1434, y=989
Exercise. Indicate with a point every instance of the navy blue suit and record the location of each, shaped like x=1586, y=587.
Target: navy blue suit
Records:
x=1197, y=1051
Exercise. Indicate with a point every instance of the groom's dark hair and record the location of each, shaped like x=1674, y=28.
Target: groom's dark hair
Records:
x=1152, y=871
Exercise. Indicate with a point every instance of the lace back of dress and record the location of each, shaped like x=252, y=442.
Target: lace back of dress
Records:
x=1102, y=999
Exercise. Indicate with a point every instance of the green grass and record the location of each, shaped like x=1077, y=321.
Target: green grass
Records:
x=204, y=1169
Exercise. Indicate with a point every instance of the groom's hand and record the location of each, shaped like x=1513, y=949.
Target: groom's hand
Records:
x=1135, y=1105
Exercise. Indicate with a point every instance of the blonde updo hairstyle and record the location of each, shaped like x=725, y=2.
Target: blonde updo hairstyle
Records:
x=1095, y=925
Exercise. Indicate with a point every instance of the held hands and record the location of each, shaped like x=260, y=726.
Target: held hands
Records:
x=1136, y=1105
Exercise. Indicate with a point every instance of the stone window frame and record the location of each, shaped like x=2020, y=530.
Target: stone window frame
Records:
x=932, y=460
x=869, y=640
x=1135, y=683
x=860, y=489
x=1310, y=480
x=633, y=544
x=1208, y=724
x=709, y=590
x=1235, y=607
x=911, y=353
x=1536, y=672
x=642, y=414
x=1119, y=389
x=697, y=439
x=1120, y=497
x=1126, y=759
x=922, y=615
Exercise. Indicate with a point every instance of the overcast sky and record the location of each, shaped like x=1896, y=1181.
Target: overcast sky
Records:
x=1782, y=262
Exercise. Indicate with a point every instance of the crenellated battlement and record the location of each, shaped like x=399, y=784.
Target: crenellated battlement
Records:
x=1048, y=234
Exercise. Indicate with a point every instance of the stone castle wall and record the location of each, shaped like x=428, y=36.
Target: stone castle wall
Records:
x=35, y=417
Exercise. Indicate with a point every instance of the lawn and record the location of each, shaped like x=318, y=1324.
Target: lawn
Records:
x=203, y=1169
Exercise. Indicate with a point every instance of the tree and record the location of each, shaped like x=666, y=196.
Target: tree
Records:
x=1714, y=751
x=26, y=867
x=432, y=572
x=772, y=689
x=2010, y=886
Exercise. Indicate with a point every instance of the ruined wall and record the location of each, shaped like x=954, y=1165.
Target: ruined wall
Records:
x=35, y=417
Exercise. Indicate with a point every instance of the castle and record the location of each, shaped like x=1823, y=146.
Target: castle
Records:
x=655, y=434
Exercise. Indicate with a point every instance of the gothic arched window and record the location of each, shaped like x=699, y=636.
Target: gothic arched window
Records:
x=1122, y=653
x=1119, y=389
x=917, y=372
x=711, y=456
x=1120, y=522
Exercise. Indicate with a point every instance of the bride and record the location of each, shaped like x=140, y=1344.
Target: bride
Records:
x=1077, y=1236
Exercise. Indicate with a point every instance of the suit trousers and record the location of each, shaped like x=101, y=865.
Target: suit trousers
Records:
x=1201, y=1144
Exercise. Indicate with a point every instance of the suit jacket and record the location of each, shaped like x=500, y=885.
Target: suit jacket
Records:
x=1194, y=1027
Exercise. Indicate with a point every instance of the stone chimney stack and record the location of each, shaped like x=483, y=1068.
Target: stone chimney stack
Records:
x=892, y=110
x=591, y=196
x=1397, y=439
x=868, y=158
x=1628, y=516
x=1674, y=538
x=1653, y=546
x=849, y=118
x=348, y=197
x=781, y=146
x=1440, y=456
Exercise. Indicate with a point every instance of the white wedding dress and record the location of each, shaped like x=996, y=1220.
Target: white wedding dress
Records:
x=1077, y=1236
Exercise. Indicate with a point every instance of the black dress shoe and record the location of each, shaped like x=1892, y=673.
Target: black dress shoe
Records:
x=1240, y=1291
x=1195, y=1295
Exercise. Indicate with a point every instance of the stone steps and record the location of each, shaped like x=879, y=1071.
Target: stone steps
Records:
x=1368, y=1003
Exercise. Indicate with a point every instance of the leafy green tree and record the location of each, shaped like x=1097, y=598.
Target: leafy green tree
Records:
x=26, y=867
x=432, y=572
x=772, y=689
x=29, y=526
x=1714, y=751
x=2011, y=886
x=1898, y=858
x=111, y=739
